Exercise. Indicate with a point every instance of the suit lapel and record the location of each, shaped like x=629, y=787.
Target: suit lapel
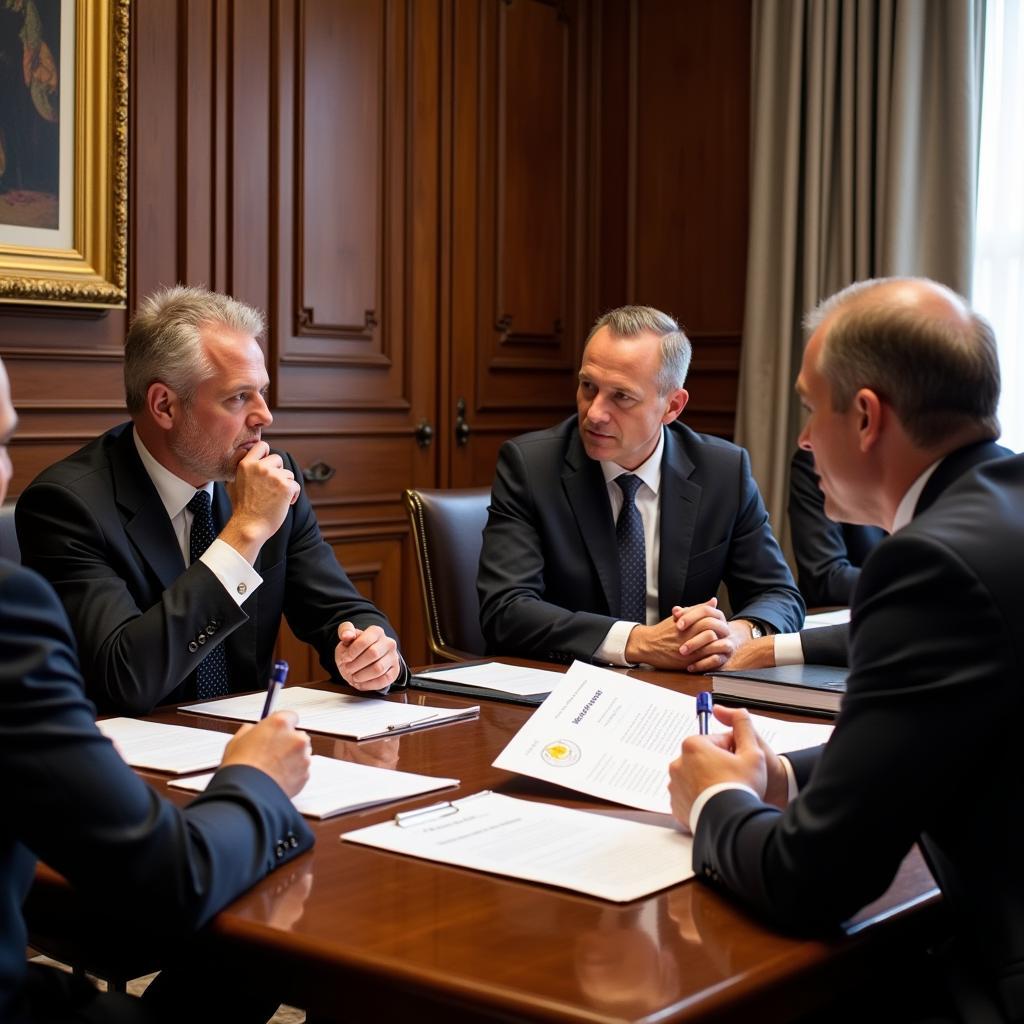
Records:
x=679, y=500
x=145, y=518
x=587, y=495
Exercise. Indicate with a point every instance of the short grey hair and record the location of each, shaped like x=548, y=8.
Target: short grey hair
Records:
x=164, y=340
x=676, y=351
x=939, y=375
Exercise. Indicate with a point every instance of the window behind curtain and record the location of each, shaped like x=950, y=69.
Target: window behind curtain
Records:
x=999, y=252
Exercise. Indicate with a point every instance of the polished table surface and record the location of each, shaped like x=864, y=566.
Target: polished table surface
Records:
x=351, y=932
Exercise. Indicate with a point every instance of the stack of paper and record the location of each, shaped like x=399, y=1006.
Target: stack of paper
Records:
x=337, y=786
x=337, y=714
x=165, y=748
x=490, y=679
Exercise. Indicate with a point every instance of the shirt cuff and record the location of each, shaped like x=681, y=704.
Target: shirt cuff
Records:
x=613, y=648
x=705, y=795
x=791, y=785
x=236, y=575
x=788, y=649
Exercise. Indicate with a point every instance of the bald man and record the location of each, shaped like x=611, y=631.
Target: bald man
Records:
x=900, y=380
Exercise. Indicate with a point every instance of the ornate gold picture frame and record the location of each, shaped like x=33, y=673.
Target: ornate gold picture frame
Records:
x=64, y=152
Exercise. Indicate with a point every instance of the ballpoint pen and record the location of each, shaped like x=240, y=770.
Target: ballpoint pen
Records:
x=277, y=678
x=703, y=711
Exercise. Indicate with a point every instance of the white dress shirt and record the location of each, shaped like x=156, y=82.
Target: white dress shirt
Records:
x=613, y=647
x=236, y=575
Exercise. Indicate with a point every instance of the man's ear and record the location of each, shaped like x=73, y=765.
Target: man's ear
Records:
x=676, y=404
x=162, y=405
x=869, y=411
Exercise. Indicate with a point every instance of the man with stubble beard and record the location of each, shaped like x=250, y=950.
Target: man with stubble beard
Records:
x=176, y=541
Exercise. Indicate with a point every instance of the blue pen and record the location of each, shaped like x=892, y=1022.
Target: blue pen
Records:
x=277, y=678
x=703, y=711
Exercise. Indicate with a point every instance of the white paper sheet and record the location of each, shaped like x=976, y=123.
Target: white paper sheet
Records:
x=590, y=853
x=335, y=786
x=338, y=714
x=819, y=619
x=612, y=736
x=165, y=748
x=492, y=675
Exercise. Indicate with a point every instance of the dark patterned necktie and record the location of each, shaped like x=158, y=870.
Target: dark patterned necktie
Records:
x=212, y=671
x=629, y=532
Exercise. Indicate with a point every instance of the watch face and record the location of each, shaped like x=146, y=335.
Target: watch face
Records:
x=756, y=632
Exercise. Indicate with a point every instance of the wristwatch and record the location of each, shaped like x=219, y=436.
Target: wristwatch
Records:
x=756, y=630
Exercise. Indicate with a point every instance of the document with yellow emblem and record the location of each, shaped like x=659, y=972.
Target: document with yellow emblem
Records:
x=611, y=736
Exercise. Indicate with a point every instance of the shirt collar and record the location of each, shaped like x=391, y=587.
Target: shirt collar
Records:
x=174, y=492
x=649, y=470
x=905, y=509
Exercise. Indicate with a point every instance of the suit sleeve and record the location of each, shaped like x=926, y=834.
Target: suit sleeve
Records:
x=826, y=645
x=757, y=576
x=514, y=617
x=79, y=807
x=318, y=595
x=824, y=570
x=132, y=657
x=918, y=710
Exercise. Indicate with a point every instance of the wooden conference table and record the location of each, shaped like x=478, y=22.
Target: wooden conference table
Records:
x=352, y=933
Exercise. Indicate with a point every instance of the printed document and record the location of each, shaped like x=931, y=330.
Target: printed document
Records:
x=337, y=714
x=165, y=748
x=337, y=786
x=591, y=853
x=612, y=736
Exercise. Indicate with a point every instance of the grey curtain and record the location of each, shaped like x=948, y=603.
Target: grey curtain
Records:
x=865, y=117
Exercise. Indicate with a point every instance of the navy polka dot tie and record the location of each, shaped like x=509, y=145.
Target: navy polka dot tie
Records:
x=212, y=671
x=629, y=532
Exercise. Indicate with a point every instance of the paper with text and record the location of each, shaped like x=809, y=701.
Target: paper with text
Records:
x=611, y=736
x=165, y=748
x=335, y=787
x=590, y=853
x=337, y=714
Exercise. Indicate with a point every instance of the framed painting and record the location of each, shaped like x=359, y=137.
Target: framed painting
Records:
x=64, y=152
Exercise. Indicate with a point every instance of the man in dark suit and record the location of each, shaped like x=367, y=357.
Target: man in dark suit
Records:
x=828, y=554
x=173, y=594
x=901, y=383
x=136, y=859
x=609, y=534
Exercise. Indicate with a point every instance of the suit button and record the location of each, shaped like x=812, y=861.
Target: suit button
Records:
x=193, y=646
x=211, y=629
x=201, y=638
x=293, y=842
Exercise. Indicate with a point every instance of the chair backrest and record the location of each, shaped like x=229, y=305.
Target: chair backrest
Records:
x=8, y=537
x=448, y=527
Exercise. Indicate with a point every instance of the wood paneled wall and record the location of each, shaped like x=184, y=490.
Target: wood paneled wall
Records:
x=432, y=199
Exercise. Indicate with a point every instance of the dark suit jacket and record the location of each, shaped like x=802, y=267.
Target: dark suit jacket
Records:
x=94, y=526
x=70, y=800
x=549, y=576
x=828, y=554
x=924, y=747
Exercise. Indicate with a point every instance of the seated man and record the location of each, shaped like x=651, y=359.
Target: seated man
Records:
x=920, y=751
x=565, y=574
x=172, y=597
x=136, y=859
x=828, y=555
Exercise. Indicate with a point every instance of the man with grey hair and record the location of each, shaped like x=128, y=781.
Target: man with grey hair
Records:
x=177, y=541
x=609, y=534
x=900, y=380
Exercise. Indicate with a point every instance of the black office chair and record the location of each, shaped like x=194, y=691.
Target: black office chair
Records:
x=447, y=526
x=8, y=537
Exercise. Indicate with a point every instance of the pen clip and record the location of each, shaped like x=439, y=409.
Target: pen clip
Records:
x=444, y=809
x=399, y=726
